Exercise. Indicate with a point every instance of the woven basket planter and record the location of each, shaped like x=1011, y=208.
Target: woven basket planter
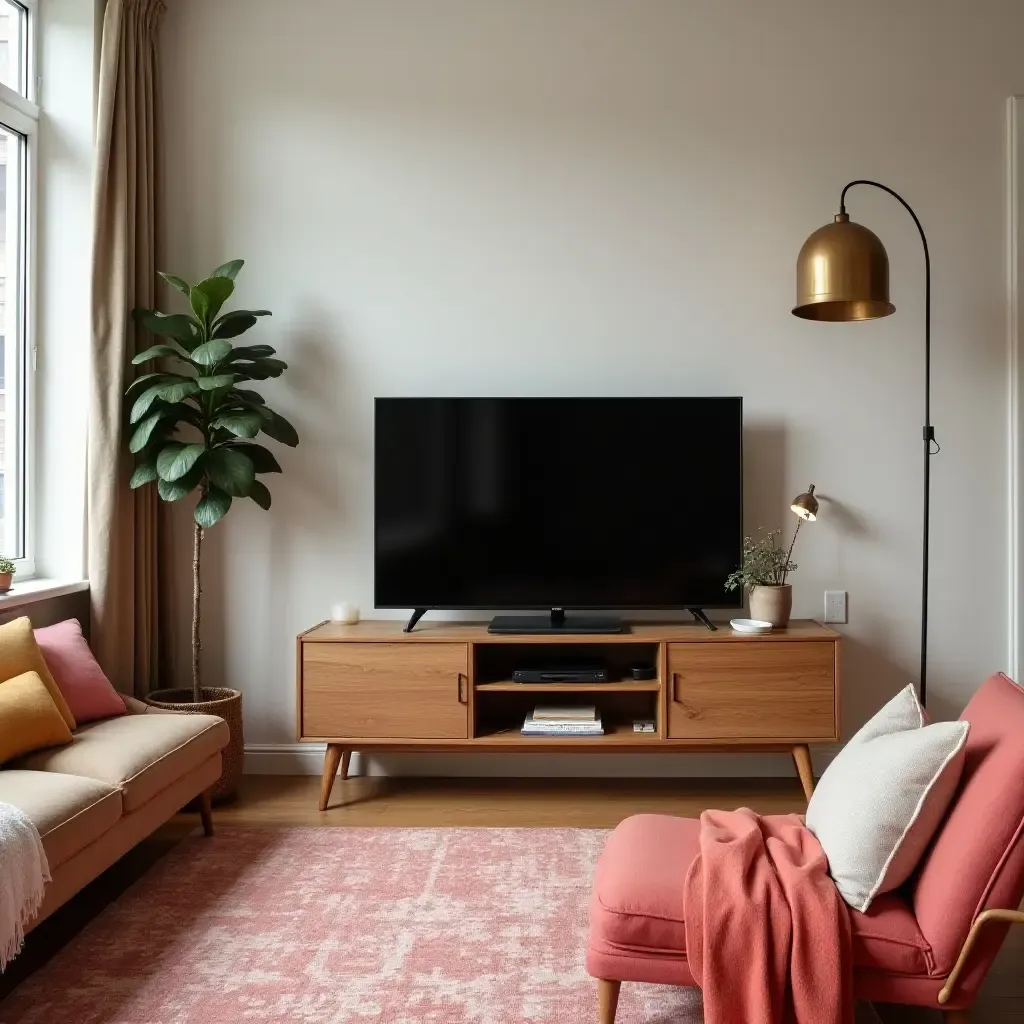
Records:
x=224, y=703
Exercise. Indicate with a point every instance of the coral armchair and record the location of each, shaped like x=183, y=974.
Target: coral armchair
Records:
x=928, y=945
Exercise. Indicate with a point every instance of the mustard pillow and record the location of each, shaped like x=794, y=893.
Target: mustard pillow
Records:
x=29, y=719
x=20, y=653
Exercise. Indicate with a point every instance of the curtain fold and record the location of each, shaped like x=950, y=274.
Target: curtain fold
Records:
x=122, y=531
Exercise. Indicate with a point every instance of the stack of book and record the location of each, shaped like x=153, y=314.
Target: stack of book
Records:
x=546, y=720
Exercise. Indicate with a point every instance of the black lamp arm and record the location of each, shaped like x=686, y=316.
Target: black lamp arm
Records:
x=928, y=432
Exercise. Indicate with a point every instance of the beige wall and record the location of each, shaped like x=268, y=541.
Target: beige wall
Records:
x=590, y=197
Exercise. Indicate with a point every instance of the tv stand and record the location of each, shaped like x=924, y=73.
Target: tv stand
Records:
x=451, y=687
x=417, y=614
x=698, y=614
x=555, y=624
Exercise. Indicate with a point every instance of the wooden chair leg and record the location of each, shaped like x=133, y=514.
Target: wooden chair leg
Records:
x=332, y=758
x=608, y=1000
x=206, y=812
x=804, y=768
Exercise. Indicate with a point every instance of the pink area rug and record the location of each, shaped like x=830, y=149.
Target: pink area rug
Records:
x=339, y=925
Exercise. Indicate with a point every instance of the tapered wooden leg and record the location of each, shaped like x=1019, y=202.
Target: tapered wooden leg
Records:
x=346, y=757
x=804, y=768
x=957, y=1016
x=206, y=812
x=607, y=1000
x=331, y=761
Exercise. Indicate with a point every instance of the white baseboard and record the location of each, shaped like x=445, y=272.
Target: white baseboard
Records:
x=308, y=759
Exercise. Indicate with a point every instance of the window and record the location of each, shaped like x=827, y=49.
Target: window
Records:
x=19, y=118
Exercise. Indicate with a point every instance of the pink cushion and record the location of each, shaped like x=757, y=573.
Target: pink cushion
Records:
x=77, y=674
x=637, y=907
x=977, y=859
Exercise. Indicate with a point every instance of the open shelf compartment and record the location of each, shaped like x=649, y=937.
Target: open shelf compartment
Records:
x=500, y=713
x=496, y=663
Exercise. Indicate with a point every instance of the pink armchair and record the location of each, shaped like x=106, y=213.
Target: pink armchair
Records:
x=928, y=945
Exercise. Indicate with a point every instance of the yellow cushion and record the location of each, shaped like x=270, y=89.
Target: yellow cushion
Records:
x=29, y=719
x=20, y=653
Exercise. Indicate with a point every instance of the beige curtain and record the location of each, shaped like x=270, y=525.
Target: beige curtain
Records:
x=122, y=542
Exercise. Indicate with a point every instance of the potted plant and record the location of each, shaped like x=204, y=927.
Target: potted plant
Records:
x=7, y=571
x=192, y=429
x=763, y=571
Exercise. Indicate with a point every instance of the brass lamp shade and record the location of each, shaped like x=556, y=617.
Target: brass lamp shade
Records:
x=842, y=274
x=806, y=505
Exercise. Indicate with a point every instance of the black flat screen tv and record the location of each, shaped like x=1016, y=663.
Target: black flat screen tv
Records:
x=541, y=503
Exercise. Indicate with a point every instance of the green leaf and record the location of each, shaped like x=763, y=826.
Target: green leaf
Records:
x=169, y=325
x=176, y=460
x=249, y=397
x=260, y=369
x=217, y=291
x=152, y=378
x=263, y=460
x=143, y=431
x=210, y=353
x=144, y=473
x=241, y=424
x=237, y=322
x=260, y=494
x=175, y=490
x=178, y=390
x=161, y=352
x=176, y=282
x=252, y=352
x=232, y=326
x=144, y=401
x=200, y=302
x=277, y=427
x=231, y=471
x=221, y=380
x=229, y=270
x=212, y=508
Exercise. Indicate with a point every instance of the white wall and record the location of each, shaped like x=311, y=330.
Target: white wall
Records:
x=589, y=197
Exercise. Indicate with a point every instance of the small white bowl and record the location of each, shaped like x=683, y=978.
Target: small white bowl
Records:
x=751, y=625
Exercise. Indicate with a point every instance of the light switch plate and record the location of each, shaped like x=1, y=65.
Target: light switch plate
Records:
x=835, y=606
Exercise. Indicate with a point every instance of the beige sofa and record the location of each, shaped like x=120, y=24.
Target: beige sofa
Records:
x=119, y=779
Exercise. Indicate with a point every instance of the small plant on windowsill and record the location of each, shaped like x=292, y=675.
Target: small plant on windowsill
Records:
x=764, y=571
x=7, y=571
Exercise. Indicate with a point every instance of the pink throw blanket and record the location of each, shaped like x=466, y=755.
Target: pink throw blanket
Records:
x=767, y=934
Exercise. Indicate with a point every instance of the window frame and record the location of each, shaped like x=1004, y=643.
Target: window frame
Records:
x=20, y=114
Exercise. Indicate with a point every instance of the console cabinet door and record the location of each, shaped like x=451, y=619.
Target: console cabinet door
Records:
x=750, y=690
x=385, y=691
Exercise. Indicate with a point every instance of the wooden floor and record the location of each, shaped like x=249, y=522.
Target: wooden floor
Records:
x=279, y=802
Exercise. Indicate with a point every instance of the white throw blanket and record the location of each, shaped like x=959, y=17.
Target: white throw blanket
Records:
x=24, y=873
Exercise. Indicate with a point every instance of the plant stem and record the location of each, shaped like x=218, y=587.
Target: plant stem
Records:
x=785, y=569
x=197, y=590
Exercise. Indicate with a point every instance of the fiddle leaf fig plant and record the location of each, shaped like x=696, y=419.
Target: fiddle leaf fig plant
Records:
x=193, y=421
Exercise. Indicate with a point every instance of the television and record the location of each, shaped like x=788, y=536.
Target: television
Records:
x=557, y=503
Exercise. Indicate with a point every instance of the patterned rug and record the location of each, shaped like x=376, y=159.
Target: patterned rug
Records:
x=340, y=925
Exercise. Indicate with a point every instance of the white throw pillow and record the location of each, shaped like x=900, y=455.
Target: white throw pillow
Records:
x=881, y=800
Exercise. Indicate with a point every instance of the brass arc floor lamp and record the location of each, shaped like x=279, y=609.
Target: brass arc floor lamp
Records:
x=842, y=274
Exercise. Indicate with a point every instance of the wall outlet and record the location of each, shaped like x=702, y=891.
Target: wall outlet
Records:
x=835, y=606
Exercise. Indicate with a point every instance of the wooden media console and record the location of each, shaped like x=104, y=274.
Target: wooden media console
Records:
x=449, y=687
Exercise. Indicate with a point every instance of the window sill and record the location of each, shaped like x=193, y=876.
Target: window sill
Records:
x=32, y=591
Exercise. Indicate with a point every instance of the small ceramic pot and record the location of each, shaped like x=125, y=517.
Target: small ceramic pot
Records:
x=773, y=604
x=6, y=579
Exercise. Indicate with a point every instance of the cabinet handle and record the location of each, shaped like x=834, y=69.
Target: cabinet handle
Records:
x=463, y=689
x=672, y=687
